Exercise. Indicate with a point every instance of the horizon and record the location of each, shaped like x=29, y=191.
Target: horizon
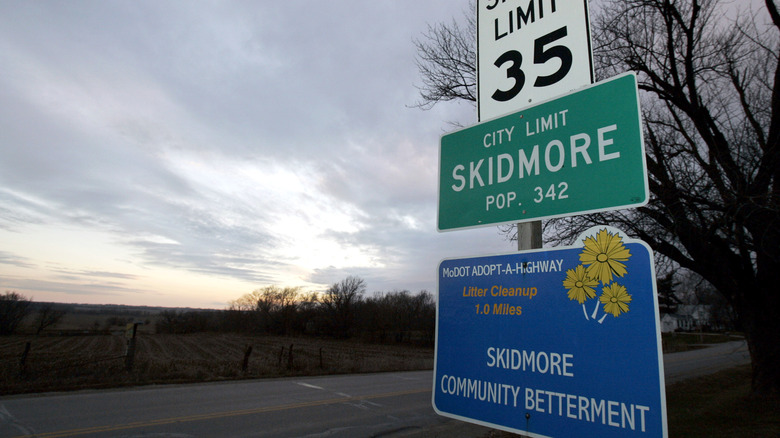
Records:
x=178, y=154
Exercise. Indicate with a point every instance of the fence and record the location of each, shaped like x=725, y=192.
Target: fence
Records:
x=29, y=364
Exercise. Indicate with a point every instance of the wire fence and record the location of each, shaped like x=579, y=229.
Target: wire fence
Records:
x=31, y=364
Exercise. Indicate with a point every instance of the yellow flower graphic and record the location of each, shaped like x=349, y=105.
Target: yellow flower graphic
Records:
x=603, y=256
x=615, y=299
x=580, y=286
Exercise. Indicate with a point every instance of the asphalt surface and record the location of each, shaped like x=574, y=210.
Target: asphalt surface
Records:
x=367, y=405
x=706, y=360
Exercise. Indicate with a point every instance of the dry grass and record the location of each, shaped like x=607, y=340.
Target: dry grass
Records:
x=719, y=406
x=97, y=361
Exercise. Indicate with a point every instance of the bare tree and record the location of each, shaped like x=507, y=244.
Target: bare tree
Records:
x=713, y=139
x=711, y=105
x=14, y=307
x=340, y=301
x=48, y=315
x=446, y=59
x=270, y=308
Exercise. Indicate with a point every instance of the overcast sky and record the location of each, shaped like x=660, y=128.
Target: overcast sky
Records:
x=184, y=153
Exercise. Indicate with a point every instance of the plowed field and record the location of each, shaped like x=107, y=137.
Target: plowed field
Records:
x=98, y=361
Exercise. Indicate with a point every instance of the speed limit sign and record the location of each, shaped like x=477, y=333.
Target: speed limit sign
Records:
x=529, y=51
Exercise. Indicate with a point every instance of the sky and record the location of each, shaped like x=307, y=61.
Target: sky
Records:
x=185, y=153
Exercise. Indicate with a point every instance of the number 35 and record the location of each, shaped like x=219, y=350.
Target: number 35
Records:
x=542, y=54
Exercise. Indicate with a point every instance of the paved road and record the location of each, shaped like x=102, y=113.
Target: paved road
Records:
x=387, y=404
x=681, y=366
x=368, y=405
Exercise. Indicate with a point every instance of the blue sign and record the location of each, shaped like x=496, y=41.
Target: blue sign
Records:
x=552, y=343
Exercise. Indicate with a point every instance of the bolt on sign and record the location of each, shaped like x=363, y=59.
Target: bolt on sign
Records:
x=580, y=153
x=553, y=343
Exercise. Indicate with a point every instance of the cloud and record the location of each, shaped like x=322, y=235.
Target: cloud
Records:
x=257, y=142
x=7, y=258
x=44, y=290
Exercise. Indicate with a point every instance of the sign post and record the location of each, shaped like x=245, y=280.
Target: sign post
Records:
x=579, y=153
x=564, y=342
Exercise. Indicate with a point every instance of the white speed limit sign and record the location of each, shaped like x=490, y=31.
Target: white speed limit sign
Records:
x=529, y=51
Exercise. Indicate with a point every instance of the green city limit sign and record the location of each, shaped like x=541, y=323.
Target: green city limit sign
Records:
x=580, y=153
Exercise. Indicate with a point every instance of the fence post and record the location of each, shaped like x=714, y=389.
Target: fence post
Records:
x=245, y=363
x=290, y=358
x=130, y=332
x=321, y=363
x=23, y=359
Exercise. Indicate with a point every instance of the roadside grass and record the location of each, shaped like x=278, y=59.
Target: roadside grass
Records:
x=719, y=405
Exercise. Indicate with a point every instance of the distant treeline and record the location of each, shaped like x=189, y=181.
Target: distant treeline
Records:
x=343, y=311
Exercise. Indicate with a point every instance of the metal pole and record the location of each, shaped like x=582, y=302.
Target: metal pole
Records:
x=529, y=235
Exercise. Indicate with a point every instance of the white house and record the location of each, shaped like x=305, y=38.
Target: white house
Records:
x=672, y=322
x=688, y=317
